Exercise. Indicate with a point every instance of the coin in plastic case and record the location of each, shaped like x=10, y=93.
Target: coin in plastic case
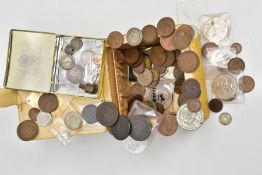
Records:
x=44, y=119
x=67, y=62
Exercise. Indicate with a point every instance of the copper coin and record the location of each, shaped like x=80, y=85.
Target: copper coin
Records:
x=140, y=127
x=168, y=124
x=160, y=69
x=191, y=88
x=194, y=105
x=247, y=83
x=153, y=84
x=165, y=26
x=177, y=53
x=107, y=114
x=178, y=86
x=215, y=105
x=167, y=42
x=160, y=108
x=236, y=65
x=237, y=47
x=170, y=59
x=48, y=102
x=140, y=60
x=207, y=46
x=115, y=39
x=188, y=62
x=157, y=55
x=121, y=129
x=119, y=56
x=145, y=78
x=178, y=74
x=188, y=29
x=77, y=43
x=132, y=99
x=33, y=112
x=149, y=34
x=140, y=69
x=181, y=39
x=131, y=56
x=137, y=89
x=69, y=50
x=182, y=99
x=27, y=130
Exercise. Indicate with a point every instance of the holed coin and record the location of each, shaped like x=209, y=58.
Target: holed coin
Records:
x=33, y=113
x=225, y=118
x=145, y=78
x=73, y=120
x=115, y=39
x=236, y=65
x=27, y=130
x=237, y=47
x=140, y=127
x=194, y=105
x=247, y=83
x=215, y=105
x=134, y=36
x=77, y=43
x=44, y=119
x=188, y=62
x=121, y=129
x=89, y=114
x=48, y=102
x=107, y=114
x=75, y=74
x=165, y=26
x=191, y=88
x=149, y=34
x=168, y=124
x=67, y=62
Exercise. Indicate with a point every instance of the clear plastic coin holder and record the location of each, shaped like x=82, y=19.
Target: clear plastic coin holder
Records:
x=60, y=131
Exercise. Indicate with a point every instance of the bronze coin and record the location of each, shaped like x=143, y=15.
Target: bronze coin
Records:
x=166, y=42
x=178, y=86
x=188, y=62
x=121, y=129
x=181, y=38
x=182, y=99
x=160, y=69
x=207, y=46
x=69, y=50
x=149, y=34
x=168, y=124
x=145, y=78
x=160, y=108
x=153, y=84
x=188, y=29
x=33, y=113
x=237, y=47
x=119, y=56
x=115, y=40
x=139, y=69
x=194, y=105
x=140, y=60
x=48, y=102
x=247, y=83
x=77, y=43
x=132, y=99
x=131, y=56
x=236, y=65
x=191, y=88
x=215, y=105
x=178, y=74
x=107, y=114
x=170, y=59
x=27, y=130
x=165, y=26
x=157, y=55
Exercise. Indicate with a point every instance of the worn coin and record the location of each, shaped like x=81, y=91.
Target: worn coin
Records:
x=182, y=38
x=107, y=114
x=44, y=119
x=194, y=105
x=207, y=46
x=237, y=47
x=33, y=113
x=139, y=69
x=121, y=129
x=67, y=62
x=188, y=62
x=215, y=105
x=27, y=130
x=145, y=78
x=131, y=56
x=167, y=42
x=157, y=55
x=115, y=39
x=73, y=120
x=225, y=118
x=224, y=86
x=165, y=26
x=140, y=127
x=48, y=102
x=77, y=43
x=161, y=69
x=191, y=88
x=247, y=83
x=89, y=114
x=134, y=36
x=140, y=60
x=69, y=50
x=182, y=99
x=178, y=86
x=168, y=124
x=236, y=65
x=170, y=59
x=75, y=74
x=160, y=107
x=189, y=120
x=149, y=34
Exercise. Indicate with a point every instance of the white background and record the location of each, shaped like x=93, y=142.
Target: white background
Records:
x=213, y=149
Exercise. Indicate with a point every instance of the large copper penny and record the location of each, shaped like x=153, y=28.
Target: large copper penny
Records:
x=121, y=129
x=167, y=43
x=194, y=105
x=206, y=46
x=188, y=62
x=247, y=83
x=165, y=26
x=48, y=102
x=182, y=38
x=149, y=34
x=140, y=60
x=236, y=65
x=188, y=29
x=157, y=55
x=27, y=130
x=170, y=59
x=134, y=36
x=77, y=43
x=145, y=78
x=237, y=47
x=107, y=114
x=215, y=105
x=140, y=127
x=168, y=124
x=131, y=56
x=115, y=40
x=33, y=112
x=191, y=88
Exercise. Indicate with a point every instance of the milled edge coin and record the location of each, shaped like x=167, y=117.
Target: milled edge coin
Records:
x=107, y=114
x=225, y=118
x=89, y=114
x=121, y=129
x=27, y=130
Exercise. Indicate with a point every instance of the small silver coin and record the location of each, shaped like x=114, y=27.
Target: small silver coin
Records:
x=225, y=118
x=134, y=36
x=73, y=120
x=89, y=114
x=66, y=62
x=75, y=74
x=188, y=120
x=44, y=119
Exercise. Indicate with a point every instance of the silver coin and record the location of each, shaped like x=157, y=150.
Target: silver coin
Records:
x=44, y=119
x=225, y=118
x=73, y=120
x=89, y=114
x=134, y=36
x=145, y=78
x=215, y=29
x=77, y=43
x=75, y=74
x=66, y=62
x=189, y=120
x=224, y=86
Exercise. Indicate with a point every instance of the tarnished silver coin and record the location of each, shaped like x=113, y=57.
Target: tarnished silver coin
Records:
x=89, y=114
x=224, y=86
x=44, y=119
x=73, y=120
x=189, y=120
x=134, y=36
x=67, y=62
x=225, y=118
x=75, y=74
x=145, y=78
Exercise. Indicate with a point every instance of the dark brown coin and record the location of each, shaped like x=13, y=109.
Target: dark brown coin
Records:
x=140, y=127
x=160, y=69
x=247, y=83
x=160, y=108
x=177, y=53
x=165, y=26
x=215, y=105
x=77, y=43
x=188, y=62
x=140, y=60
x=115, y=40
x=149, y=34
x=168, y=125
x=178, y=86
x=107, y=114
x=33, y=113
x=131, y=56
x=69, y=50
x=207, y=46
x=157, y=55
x=182, y=99
x=194, y=105
x=237, y=47
x=119, y=56
x=170, y=59
x=48, y=102
x=182, y=38
x=236, y=65
x=139, y=69
x=132, y=99
x=167, y=42
x=178, y=74
x=121, y=129
x=27, y=130
x=191, y=88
